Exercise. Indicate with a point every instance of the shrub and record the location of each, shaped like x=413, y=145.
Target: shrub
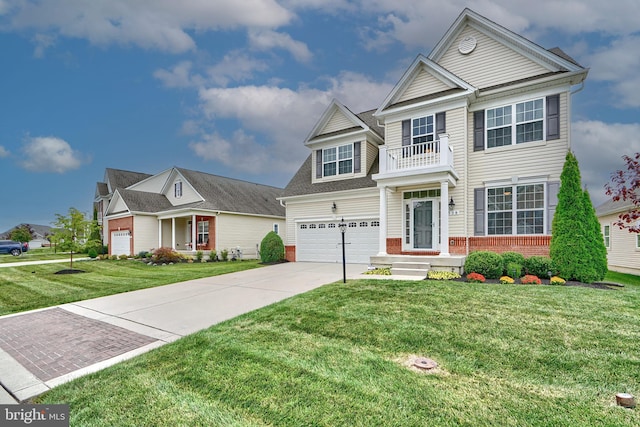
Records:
x=487, y=263
x=123, y=257
x=165, y=256
x=224, y=255
x=511, y=257
x=271, y=248
x=530, y=279
x=538, y=266
x=93, y=253
x=143, y=254
x=475, y=278
x=213, y=256
x=199, y=256
x=506, y=280
x=514, y=269
x=555, y=280
x=442, y=275
x=384, y=271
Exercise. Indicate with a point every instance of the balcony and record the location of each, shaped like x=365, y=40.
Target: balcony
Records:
x=426, y=160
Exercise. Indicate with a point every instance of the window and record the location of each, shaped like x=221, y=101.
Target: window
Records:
x=312, y=226
x=353, y=224
x=637, y=241
x=303, y=226
x=276, y=228
x=177, y=189
x=364, y=224
x=505, y=129
x=375, y=223
x=332, y=225
x=322, y=225
x=203, y=232
x=527, y=213
x=606, y=233
x=422, y=130
x=337, y=160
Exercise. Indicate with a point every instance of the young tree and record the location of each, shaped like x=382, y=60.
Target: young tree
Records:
x=571, y=247
x=596, y=246
x=70, y=231
x=625, y=185
x=23, y=233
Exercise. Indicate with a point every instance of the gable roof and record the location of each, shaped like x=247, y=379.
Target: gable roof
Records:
x=611, y=207
x=301, y=183
x=363, y=122
x=118, y=178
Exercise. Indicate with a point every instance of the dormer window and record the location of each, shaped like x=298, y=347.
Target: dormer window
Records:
x=177, y=189
x=337, y=160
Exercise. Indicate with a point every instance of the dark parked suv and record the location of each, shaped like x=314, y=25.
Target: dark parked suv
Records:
x=13, y=248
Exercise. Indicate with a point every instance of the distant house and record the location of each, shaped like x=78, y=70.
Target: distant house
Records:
x=185, y=210
x=40, y=235
x=623, y=247
x=464, y=154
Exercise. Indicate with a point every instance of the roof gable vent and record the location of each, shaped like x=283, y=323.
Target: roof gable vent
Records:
x=467, y=45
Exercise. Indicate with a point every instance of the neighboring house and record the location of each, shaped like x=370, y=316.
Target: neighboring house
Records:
x=185, y=210
x=464, y=154
x=40, y=235
x=623, y=247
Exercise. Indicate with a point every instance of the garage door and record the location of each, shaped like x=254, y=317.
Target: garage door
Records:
x=321, y=241
x=120, y=242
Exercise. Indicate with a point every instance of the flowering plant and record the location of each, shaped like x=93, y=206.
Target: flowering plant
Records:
x=555, y=280
x=475, y=278
x=442, y=275
x=506, y=280
x=530, y=279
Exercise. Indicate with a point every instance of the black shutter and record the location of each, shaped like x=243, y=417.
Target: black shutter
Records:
x=356, y=157
x=478, y=211
x=318, y=163
x=552, y=202
x=406, y=132
x=478, y=130
x=441, y=123
x=553, y=117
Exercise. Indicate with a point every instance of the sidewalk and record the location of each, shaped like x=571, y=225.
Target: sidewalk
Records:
x=46, y=261
x=44, y=348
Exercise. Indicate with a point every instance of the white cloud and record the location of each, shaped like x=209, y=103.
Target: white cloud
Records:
x=235, y=66
x=618, y=63
x=268, y=40
x=255, y=158
x=3, y=152
x=599, y=148
x=152, y=24
x=42, y=42
x=179, y=76
x=50, y=154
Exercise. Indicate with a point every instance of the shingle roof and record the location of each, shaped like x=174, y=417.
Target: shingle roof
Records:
x=301, y=182
x=372, y=122
x=142, y=201
x=562, y=54
x=610, y=207
x=119, y=178
x=102, y=189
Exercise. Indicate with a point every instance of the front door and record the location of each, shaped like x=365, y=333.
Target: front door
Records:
x=422, y=225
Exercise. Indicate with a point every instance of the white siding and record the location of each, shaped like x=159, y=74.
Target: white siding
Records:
x=364, y=204
x=369, y=155
x=189, y=195
x=490, y=64
x=338, y=121
x=154, y=184
x=145, y=233
x=118, y=206
x=423, y=84
x=244, y=231
x=622, y=254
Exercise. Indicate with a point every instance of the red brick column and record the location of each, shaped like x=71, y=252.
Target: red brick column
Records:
x=290, y=253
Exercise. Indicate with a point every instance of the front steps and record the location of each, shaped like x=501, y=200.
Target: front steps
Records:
x=454, y=263
x=419, y=269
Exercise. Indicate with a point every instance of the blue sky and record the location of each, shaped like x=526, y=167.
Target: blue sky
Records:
x=233, y=88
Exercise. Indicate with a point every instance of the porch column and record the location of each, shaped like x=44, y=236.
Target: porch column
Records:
x=194, y=243
x=159, y=233
x=382, y=239
x=444, y=218
x=173, y=233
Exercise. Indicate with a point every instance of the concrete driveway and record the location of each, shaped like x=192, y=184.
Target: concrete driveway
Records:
x=44, y=348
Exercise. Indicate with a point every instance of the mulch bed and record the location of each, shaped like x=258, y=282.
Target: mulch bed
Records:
x=597, y=285
x=69, y=271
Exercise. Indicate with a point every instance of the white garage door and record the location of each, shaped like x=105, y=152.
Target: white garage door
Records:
x=120, y=242
x=322, y=241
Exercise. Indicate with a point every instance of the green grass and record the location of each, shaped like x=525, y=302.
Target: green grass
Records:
x=623, y=278
x=510, y=355
x=36, y=286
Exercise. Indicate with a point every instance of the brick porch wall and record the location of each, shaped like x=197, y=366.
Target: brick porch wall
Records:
x=394, y=247
x=290, y=253
x=526, y=245
x=122, y=224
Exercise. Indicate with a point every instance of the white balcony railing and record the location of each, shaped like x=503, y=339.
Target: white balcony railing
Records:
x=417, y=156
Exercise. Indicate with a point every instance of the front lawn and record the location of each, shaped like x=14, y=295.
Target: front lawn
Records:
x=509, y=355
x=36, y=286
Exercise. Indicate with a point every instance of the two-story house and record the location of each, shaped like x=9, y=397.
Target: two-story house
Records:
x=185, y=210
x=464, y=154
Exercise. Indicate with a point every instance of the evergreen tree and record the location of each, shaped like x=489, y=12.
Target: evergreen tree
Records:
x=597, y=249
x=569, y=248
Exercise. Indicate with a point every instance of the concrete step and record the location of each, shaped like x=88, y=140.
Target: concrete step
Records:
x=411, y=264
x=417, y=272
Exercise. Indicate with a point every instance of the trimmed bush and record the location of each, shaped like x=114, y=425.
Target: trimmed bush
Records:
x=271, y=248
x=93, y=253
x=514, y=269
x=487, y=263
x=511, y=257
x=538, y=266
x=199, y=256
x=165, y=256
x=213, y=256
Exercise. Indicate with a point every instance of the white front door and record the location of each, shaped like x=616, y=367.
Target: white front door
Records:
x=422, y=224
